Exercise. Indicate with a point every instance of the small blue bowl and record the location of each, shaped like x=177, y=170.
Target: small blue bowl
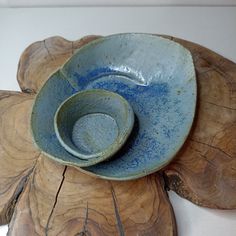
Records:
x=93, y=124
x=155, y=75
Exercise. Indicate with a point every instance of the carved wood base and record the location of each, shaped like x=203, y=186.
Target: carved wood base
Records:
x=41, y=197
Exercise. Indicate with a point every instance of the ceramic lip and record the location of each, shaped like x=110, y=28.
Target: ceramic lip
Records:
x=119, y=141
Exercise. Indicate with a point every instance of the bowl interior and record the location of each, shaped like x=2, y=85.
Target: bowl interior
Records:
x=93, y=123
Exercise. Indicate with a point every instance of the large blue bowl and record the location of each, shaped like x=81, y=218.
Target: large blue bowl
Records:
x=157, y=78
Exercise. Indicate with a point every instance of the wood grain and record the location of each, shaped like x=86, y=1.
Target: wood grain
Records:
x=17, y=153
x=205, y=170
x=42, y=58
x=61, y=200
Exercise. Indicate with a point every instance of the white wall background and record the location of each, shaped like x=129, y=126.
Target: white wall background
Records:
x=213, y=27
x=33, y=3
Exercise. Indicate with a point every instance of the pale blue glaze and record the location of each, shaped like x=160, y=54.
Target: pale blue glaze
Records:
x=157, y=78
x=93, y=125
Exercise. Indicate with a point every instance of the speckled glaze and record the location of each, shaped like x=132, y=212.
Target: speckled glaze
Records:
x=155, y=75
x=93, y=125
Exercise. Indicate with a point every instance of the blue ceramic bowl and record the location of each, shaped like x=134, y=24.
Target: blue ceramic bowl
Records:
x=93, y=124
x=155, y=75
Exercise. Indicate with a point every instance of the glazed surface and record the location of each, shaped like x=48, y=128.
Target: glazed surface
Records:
x=155, y=75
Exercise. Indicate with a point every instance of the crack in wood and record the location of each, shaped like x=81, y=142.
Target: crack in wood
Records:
x=55, y=202
x=230, y=108
x=211, y=146
x=228, y=78
x=85, y=231
x=11, y=206
x=19, y=190
x=118, y=218
x=204, y=157
x=164, y=178
x=28, y=91
x=204, y=72
x=13, y=180
x=46, y=47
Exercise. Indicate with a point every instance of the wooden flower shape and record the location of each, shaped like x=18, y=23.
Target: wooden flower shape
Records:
x=41, y=197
